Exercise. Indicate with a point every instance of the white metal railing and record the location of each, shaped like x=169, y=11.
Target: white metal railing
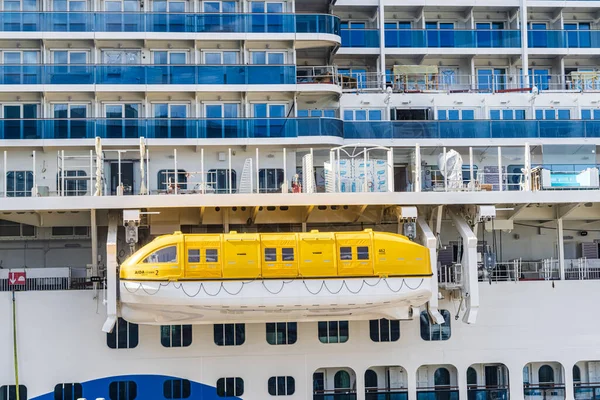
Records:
x=450, y=276
x=452, y=83
x=63, y=278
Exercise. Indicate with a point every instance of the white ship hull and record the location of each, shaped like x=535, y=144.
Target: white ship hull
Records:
x=161, y=303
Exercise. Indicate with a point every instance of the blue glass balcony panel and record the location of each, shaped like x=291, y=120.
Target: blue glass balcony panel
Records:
x=440, y=394
x=167, y=22
x=382, y=394
x=438, y=38
x=359, y=37
x=487, y=394
x=564, y=39
x=290, y=128
x=117, y=74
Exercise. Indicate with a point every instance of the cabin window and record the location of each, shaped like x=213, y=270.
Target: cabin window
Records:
x=362, y=253
x=194, y=255
x=75, y=182
x=384, y=330
x=122, y=390
x=67, y=391
x=230, y=387
x=19, y=183
x=282, y=333
x=14, y=229
x=270, y=254
x=282, y=385
x=9, y=392
x=166, y=179
x=212, y=255
x=345, y=253
x=229, y=334
x=176, y=335
x=164, y=255
x=287, y=254
x=177, y=389
x=431, y=332
x=124, y=335
x=333, y=331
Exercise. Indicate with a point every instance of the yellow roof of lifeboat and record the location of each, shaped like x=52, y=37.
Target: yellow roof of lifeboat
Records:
x=277, y=256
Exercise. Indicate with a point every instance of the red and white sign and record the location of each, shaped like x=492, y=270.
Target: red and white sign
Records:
x=16, y=278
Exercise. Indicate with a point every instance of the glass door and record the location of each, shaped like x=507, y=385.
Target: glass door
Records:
x=269, y=120
x=122, y=16
x=169, y=15
x=222, y=122
x=170, y=120
x=269, y=16
x=15, y=20
x=214, y=21
x=20, y=121
x=70, y=66
x=69, y=15
x=20, y=67
x=122, y=120
x=70, y=121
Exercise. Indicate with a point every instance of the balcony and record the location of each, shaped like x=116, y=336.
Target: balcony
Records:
x=36, y=279
x=53, y=74
x=360, y=37
x=439, y=38
x=167, y=22
x=573, y=39
x=215, y=128
x=438, y=394
x=227, y=128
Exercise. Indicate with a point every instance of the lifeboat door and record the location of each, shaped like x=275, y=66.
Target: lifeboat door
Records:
x=243, y=256
x=354, y=253
x=203, y=257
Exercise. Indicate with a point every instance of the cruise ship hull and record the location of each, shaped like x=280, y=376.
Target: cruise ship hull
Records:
x=161, y=303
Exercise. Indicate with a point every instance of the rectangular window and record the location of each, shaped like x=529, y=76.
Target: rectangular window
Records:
x=193, y=255
x=9, y=392
x=176, y=335
x=270, y=255
x=82, y=231
x=431, y=332
x=122, y=390
x=16, y=230
x=345, y=253
x=455, y=115
x=281, y=333
x=287, y=254
x=229, y=334
x=270, y=180
x=177, y=389
x=19, y=183
x=212, y=255
x=221, y=181
x=362, y=253
x=124, y=335
x=66, y=391
x=384, y=330
x=75, y=182
x=333, y=331
x=282, y=385
x=363, y=115
x=230, y=387
x=166, y=179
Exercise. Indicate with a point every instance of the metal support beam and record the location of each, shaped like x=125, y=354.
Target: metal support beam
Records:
x=561, y=247
x=360, y=213
x=518, y=210
x=202, y=211
x=565, y=211
x=428, y=240
x=254, y=213
x=226, y=219
x=307, y=213
x=111, y=273
x=469, y=268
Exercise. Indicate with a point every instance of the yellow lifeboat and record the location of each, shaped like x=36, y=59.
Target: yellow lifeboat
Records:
x=211, y=278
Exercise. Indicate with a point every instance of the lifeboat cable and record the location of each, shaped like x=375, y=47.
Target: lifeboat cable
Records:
x=15, y=355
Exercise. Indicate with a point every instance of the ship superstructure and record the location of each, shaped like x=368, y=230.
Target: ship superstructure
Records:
x=466, y=130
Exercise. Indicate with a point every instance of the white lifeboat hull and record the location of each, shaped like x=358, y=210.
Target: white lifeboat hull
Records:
x=277, y=300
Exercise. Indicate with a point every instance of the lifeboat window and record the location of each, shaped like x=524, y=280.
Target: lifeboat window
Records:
x=362, y=253
x=229, y=334
x=164, y=255
x=123, y=336
x=212, y=256
x=122, y=390
x=177, y=389
x=9, y=392
x=64, y=391
x=176, y=335
x=230, y=387
x=333, y=331
x=384, y=330
x=282, y=333
x=194, y=255
x=282, y=385
x=432, y=332
x=345, y=253
x=287, y=254
x=271, y=254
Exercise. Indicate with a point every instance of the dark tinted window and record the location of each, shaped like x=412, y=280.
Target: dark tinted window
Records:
x=9, y=392
x=282, y=385
x=212, y=255
x=287, y=254
x=430, y=331
x=122, y=390
x=270, y=254
x=194, y=255
x=345, y=253
x=384, y=330
x=124, y=335
x=230, y=387
x=229, y=334
x=281, y=332
x=176, y=335
x=333, y=331
x=67, y=391
x=362, y=253
x=177, y=389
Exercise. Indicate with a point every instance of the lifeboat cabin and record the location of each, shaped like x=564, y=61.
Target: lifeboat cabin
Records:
x=217, y=278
